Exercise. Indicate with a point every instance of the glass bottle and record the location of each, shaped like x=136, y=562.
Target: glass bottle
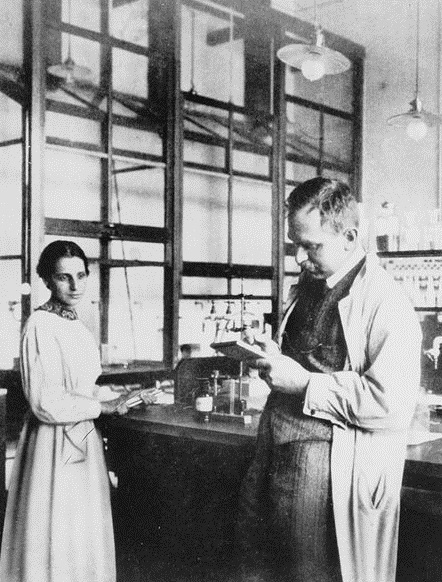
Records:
x=204, y=400
x=387, y=228
x=410, y=234
x=434, y=230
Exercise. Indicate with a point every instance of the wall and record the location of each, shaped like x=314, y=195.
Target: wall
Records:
x=394, y=167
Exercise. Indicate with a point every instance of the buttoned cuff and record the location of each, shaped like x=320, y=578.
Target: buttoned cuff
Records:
x=316, y=399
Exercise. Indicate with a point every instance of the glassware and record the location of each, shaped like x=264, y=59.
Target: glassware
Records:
x=387, y=228
x=410, y=235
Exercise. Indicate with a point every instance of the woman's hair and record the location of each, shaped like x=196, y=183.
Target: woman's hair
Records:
x=333, y=199
x=57, y=250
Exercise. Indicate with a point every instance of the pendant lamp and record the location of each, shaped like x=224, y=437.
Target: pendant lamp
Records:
x=68, y=69
x=314, y=60
x=417, y=120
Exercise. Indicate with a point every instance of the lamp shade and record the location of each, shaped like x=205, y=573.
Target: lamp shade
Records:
x=70, y=71
x=416, y=121
x=295, y=55
x=314, y=60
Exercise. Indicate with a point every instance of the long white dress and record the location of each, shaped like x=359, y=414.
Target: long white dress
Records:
x=58, y=524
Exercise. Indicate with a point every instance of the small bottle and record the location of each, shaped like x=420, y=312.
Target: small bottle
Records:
x=215, y=388
x=204, y=401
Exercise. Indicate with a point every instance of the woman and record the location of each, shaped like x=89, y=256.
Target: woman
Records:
x=58, y=524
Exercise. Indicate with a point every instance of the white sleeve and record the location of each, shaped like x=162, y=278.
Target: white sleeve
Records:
x=44, y=380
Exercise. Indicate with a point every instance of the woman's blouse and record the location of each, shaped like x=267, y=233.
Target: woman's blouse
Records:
x=60, y=363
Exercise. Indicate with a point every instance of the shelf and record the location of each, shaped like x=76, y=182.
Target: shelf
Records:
x=400, y=254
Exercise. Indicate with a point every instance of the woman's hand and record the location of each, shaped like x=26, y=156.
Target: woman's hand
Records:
x=150, y=395
x=116, y=406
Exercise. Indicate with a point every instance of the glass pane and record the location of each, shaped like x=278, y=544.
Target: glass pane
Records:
x=136, y=251
x=303, y=132
x=137, y=194
x=11, y=200
x=338, y=141
x=81, y=96
x=332, y=90
x=204, y=286
x=338, y=91
x=210, y=122
x=11, y=31
x=252, y=287
x=205, y=41
x=299, y=172
x=83, y=13
x=72, y=186
x=10, y=118
x=290, y=264
x=70, y=128
x=206, y=134
x=204, y=154
x=129, y=73
x=192, y=328
x=136, y=315
x=251, y=163
x=252, y=146
x=129, y=21
x=10, y=312
x=252, y=223
x=204, y=218
x=137, y=140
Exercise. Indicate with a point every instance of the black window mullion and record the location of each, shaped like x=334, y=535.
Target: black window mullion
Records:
x=106, y=167
x=229, y=164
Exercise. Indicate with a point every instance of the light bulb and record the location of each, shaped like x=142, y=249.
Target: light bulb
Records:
x=313, y=68
x=417, y=129
x=25, y=289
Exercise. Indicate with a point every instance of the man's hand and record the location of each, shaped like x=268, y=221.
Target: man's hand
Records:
x=267, y=345
x=283, y=374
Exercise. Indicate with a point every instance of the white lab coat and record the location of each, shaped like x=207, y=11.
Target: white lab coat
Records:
x=370, y=404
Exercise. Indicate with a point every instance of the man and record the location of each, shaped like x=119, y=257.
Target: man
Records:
x=320, y=502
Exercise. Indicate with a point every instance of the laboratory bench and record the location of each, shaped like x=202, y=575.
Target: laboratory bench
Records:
x=179, y=477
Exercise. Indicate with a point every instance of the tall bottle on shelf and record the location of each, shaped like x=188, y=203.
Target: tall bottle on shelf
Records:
x=387, y=228
x=410, y=233
x=434, y=230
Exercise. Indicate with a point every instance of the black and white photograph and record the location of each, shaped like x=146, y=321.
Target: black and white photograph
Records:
x=221, y=298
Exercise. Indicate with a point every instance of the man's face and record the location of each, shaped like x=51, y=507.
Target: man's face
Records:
x=319, y=249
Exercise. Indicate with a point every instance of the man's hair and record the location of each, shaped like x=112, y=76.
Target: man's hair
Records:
x=57, y=250
x=333, y=198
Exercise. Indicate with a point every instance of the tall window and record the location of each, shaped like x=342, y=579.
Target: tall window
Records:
x=11, y=167
x=227, y=191
x=105, y=177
